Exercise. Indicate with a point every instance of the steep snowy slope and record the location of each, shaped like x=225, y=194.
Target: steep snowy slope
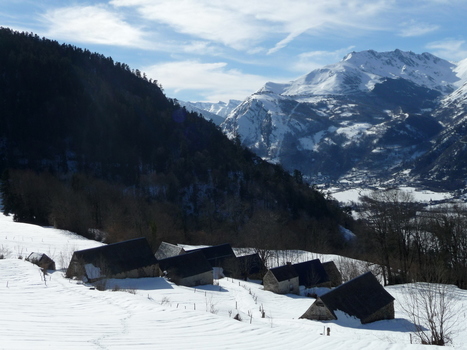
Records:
x=446, y=161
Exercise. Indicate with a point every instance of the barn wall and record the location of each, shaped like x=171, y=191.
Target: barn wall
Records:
x=77, y=269
x=318, y=311
x=147, y=271
x=385, y=313
x=270, y=283
x=333, y=273
x=197, y=280
x=284, y=287
x=289, y=286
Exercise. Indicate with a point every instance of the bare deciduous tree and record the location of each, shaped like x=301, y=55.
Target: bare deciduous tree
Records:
x=431, y=308
x=390, y=214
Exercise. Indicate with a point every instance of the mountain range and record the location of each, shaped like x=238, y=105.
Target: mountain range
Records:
x=394, y=117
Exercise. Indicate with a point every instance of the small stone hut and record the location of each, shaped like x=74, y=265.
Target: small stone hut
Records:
x=282, y=280
x=362, y=297
x=190, y=269
x=41, y=260
x=312, y=274
x=167, y=250
x=333, y=272
x=128, y=259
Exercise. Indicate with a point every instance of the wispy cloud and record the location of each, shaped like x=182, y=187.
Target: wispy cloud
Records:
x=93, y=24
x=450, y=49
x=215, y=81
x=242, y=24
x=216, y=21
x=413, y=28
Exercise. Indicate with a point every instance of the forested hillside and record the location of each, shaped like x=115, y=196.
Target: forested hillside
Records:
x=90, y=145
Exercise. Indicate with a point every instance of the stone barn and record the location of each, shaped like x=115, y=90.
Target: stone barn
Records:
x=249, y=266
x=217, y=254
x=362, y=297
x=282, y=280
x=333, y=273
x=312, y=274
x=190, y=269
x=221, y=257
x=167, y=250
x=128, y=259
x=41, y=260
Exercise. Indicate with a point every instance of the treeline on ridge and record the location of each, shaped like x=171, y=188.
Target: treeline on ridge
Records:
x=89, y=145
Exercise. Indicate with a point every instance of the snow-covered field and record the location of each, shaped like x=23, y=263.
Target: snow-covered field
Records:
x=423, y=196
x=152, y=313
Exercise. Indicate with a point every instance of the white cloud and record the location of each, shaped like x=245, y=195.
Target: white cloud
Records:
x=216, y=21
x=215, y=81
x=93, y=24
x=451, y=49
x=414, y=28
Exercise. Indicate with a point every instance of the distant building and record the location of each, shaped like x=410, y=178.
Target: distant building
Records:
x=362, y=297
x=129, y=259
x=312, y=274
x=190, y=269
x=333, y=272
x=167, y=250
x=41, y=260
x=281, y=280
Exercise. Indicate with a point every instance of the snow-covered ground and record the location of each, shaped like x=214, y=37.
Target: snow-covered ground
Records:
x=423, y=196
x=152, y=313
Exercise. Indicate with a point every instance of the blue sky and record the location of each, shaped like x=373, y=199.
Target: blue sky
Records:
x=216, y=50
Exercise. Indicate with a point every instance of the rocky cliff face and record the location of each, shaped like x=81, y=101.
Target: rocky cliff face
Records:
x=445, y=162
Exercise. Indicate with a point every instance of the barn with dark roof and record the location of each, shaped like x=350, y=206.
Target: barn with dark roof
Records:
x=281, y=280
x=167, y=250
x=249, y=266
x=312, y=274
x=219, y=256
x=190, y=269
x=128, y=259
x=362, y=297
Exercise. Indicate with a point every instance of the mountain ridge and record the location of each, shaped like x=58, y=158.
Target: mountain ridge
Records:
x=372, y=112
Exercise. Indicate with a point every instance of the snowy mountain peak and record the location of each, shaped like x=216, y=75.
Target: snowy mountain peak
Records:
x=216, y=112
x=361, y=71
